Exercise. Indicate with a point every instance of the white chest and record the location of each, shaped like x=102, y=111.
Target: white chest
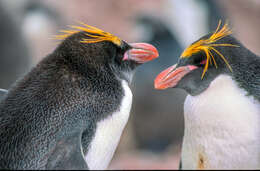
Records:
x=108, y=134
x=222, y=128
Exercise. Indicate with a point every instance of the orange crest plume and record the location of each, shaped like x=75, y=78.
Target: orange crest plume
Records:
x=95, y=34
x=207, y=45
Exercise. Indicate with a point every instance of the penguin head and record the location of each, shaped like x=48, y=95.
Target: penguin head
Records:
x=201, y=63
x=91, y=49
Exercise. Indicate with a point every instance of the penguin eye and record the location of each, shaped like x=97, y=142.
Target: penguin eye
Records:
x=203, y=62
x=199, y=60
x=118, y=55
x=120, y=51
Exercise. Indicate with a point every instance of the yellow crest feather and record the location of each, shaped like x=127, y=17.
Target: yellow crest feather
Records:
x=207, y=45
x=95, y=34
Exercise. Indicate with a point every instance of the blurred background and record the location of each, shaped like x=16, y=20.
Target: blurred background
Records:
x=153, y=136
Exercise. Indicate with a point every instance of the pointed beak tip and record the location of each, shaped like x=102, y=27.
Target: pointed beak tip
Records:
x=157, y=81
x=154, y=52
x=157, y=86
x=160, y=81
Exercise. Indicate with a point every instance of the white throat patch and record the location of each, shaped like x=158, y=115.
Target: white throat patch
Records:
x=108, y=133
x=222, y=128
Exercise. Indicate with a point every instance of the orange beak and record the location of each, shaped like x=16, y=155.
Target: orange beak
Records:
x=141, y=53
x=171, y=76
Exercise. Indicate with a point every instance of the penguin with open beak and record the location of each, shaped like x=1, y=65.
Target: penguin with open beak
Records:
x=222, y=109
x=69, y=111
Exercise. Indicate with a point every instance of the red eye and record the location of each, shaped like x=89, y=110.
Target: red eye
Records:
x=203, y=62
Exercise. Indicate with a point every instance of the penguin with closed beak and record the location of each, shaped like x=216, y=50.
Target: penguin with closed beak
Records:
x=69, y=111
x=222, y=109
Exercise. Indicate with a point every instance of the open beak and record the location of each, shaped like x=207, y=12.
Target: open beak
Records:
x=171, y=76
x=141, y=52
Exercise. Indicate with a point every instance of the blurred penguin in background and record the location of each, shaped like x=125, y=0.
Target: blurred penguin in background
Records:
x=15, y=57
x=25, y=24
x=148, y=102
